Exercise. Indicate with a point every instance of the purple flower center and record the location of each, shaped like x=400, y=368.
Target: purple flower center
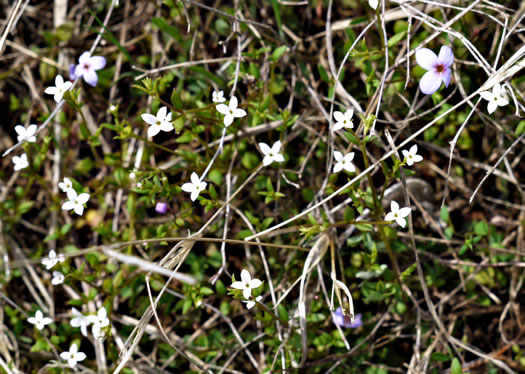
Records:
x=440, y=68
x=86, y=66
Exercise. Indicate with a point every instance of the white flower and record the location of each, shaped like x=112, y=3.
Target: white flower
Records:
x=26, y=134
x=20, y=162
x=66, y=185
x=230, y=112
x=160, y=122
x=344, y=162
x=39, y=320
x=218, y=97
x=411, y=155
x=246, y=284
x=80, y=320
x=99, y=321
x=344, y=120
x=495, y=98
x=76, y=202
x=397, y=214
x=73, y=356
x=132, y=175
x=52, y=259
x=195, y=187
x=59, y=89
x=373, y=3
x=58, y=278
x=250, y=303
x=271, y=154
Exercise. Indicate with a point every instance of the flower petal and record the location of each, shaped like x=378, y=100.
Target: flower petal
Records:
x=417, y=158
x=426, y=58
x=245, y=276
x=83, y=198
x=237, y=285
x=194, y=178
x=491, y=107
x=403, y=212
x=161, y=114
x=487, y=95
x=188, y=187
x=267, y=160
x=239, y=113
x=51, y=90
x=446, y=56
x=339, y=116
x=90, y=77
x=349, y=167
x=194, y=195
x=413, y=149
x=276, y=147
x=149, y=118
x=278, y=157
x=338, y=167
x=446, y=75
x=97, y=62
x=254, y=283
x=338, y=156
x=390, y=217
x=265, y=148
x=394, y=206
x=68, y=205
x=233, y=103
x=430, y=82
x=401, y=222
x=223, y=109
x=247, y=292
x=153, y=130
x=228, y=120
x=84, y=57
x=78, y=209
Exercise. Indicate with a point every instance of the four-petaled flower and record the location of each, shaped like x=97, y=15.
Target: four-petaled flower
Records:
x=230, y=111
x=20, y=162
x=161, y=207
x=99, y=321
x=345, y=321
x=495, y=98
x=438, y=68
x=397, y=214
x=60, y=88
x=73, y=356
x=52, y=259
x=80, y=320
x=411, y=155
x=26, y=134
x=160, y=122
x=76, y=202
x=246, y=284
x=344, y=120
x=251, y=303
x=39, y=320
x=58, y=278
x=87, y=67
x=271, y=154
x=218, y=97
x=66, y=185
x=344, y=162
x=194, y=187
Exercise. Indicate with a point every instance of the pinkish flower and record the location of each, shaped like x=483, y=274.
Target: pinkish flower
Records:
x=438, y=68
x=87, y=67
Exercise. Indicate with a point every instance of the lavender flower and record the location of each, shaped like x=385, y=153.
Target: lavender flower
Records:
x=161, y=208
x=344, y=321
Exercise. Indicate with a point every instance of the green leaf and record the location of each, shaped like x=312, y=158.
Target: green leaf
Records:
x=396, y=38
x=161, y=24
x=520, y=129
x=278, y=52
x=455, y=368
x=185, y=138
x=481, y=228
